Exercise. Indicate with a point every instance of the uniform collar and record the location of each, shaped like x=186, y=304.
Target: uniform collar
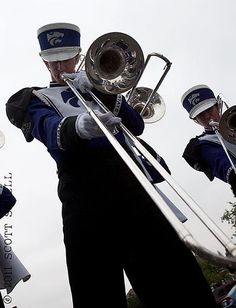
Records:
x=209, y=131
x=55, y=84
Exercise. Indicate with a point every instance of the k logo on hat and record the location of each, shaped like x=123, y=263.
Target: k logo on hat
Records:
x=59, y=41
x=197, y=99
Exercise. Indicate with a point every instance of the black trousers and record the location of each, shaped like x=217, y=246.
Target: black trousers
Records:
x=110, y=226
x=1, y=302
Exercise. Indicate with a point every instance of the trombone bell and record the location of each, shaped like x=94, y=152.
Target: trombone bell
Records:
x=113, y=63
x=155, y=109
x=227, y=125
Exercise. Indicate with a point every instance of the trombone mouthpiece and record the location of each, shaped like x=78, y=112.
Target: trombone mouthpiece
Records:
x=63, y=77
x=214, y=124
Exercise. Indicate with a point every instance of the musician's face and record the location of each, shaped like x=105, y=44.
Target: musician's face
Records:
x=206, y=116
x=56, y=68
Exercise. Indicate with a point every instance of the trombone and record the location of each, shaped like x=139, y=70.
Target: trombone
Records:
x=227, y=124
x=150, y=104
x=114, y=63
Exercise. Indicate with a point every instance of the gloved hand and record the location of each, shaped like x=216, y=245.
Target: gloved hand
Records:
x=80, y=81
x=87, y=128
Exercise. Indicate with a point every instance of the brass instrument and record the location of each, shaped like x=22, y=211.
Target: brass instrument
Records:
x=114, y=78
x=114, y=62
x=227, y=125
x=147, y=101
x=155, y=109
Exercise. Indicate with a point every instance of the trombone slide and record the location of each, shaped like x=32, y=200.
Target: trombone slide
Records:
x=183, y=233
x=128, y=61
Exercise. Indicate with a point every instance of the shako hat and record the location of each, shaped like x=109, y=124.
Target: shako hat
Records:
x=197, y=99
x=59, y=41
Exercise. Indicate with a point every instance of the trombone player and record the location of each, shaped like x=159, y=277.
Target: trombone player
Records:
x=209, y=152
x=110, y=224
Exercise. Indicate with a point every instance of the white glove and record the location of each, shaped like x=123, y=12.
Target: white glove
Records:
x=80, y=81
x=87, y=128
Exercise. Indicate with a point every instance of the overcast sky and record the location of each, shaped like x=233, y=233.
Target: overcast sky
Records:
x=197, y=36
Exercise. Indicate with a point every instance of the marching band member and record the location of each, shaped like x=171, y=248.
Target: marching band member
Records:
x=205, y=152
x=11, y=269
x=110, y=223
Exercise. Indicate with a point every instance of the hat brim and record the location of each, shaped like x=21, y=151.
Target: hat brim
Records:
x=58, y=54
x=196, y=110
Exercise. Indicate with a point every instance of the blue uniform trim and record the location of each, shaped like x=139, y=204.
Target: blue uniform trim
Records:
x=48, y=123
x=52, y=121
x=59, y=38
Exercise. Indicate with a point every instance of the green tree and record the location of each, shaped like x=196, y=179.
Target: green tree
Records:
x=230, y=216
x=214, y=274
x=218, y=274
